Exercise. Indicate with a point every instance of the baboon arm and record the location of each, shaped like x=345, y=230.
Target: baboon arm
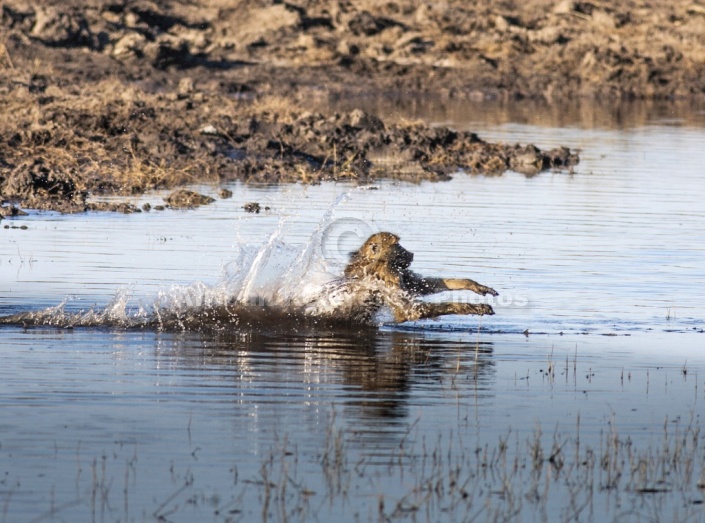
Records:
x=422, y=310
x=423, y=286
x=470, y=285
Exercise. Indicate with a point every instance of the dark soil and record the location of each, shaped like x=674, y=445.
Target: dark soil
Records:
x=61, y=147
x=533, y=48
x=183, y=199
x=126, y=96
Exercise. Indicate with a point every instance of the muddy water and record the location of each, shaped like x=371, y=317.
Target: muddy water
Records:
x=604, y=268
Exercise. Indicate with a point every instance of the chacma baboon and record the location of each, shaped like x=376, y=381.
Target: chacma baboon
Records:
x=384, y=264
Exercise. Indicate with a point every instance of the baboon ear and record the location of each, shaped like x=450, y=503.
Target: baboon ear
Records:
x=373, y=248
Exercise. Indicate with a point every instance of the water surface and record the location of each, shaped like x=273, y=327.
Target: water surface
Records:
x=444, y=419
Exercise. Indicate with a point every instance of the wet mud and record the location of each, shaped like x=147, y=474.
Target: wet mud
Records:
x=63, y=146
x=122, y=97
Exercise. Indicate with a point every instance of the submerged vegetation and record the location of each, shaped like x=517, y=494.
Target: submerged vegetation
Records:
x=605, y=477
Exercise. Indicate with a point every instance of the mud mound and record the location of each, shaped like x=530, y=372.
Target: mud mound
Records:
x=183, y=199
x=64, y=146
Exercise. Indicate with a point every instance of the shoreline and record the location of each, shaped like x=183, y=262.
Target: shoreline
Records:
x=124, y=98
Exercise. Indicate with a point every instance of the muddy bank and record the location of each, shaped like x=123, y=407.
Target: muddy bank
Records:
x=543, y=48
x=125, y=96
x=63, y=144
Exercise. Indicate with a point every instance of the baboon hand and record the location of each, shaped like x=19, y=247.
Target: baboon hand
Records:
x=480, y=309
x=485, y=309
x=484, y=291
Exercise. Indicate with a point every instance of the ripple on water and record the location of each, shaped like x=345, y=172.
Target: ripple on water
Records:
x=186, y=425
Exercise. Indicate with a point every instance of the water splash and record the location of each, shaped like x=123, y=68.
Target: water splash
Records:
x=116, y=313
x=271, y=284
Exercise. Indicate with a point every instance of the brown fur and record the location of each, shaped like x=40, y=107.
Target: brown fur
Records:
x=383, y=260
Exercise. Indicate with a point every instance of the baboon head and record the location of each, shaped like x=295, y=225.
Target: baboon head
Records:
x=380, y=255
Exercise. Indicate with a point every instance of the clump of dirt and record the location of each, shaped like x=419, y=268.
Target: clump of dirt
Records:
x=122, y=207
x=38, y=184
x=184, y=199
x=252, y=207
x=62, y=146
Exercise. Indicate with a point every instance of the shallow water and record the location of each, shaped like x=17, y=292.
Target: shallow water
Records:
x=604, y=268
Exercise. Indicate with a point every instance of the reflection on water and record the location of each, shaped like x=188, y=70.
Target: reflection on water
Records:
x=583, y=113
x=135, y=425
x=594, y=414
x=376, y=371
